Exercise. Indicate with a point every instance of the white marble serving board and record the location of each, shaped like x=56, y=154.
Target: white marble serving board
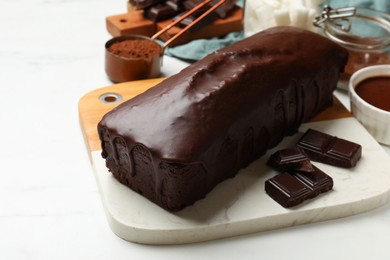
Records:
x=240, y=205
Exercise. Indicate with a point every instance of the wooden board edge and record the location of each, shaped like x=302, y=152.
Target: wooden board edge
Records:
x=91, y=108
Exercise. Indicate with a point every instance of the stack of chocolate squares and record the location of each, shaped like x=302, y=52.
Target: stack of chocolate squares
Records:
x=299, y=179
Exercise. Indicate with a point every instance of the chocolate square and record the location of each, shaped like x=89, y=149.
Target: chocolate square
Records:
x=329, y=149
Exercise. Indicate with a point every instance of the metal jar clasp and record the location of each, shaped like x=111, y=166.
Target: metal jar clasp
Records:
x=330, y=13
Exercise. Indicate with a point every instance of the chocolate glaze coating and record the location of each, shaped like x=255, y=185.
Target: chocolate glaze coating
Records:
x=176, y=141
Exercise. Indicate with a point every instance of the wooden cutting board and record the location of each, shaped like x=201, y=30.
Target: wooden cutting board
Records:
x=239, y=205
x=134, y=23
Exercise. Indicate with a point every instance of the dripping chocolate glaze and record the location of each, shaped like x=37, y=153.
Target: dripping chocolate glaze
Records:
x=268, y=84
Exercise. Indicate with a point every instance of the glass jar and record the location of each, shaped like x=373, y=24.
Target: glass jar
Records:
x=365, y=33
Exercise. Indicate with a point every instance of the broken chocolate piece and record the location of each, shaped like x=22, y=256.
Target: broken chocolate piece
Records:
x=222, y=11
x=191, y=4
x=329, y=149
x=199, y=25
x=291, y=159
x=317, y=181
x=292, y=188
x=160, y=12
x=294, y=162
x=141, y=4
x=175, y=4
x=287, y=190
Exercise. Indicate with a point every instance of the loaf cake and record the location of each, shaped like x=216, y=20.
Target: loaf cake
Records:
x=179, y=139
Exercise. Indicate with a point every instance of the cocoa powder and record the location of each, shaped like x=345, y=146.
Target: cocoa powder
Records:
x=135, y=49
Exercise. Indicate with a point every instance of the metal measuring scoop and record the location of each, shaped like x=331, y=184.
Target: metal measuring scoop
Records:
x=122, y=69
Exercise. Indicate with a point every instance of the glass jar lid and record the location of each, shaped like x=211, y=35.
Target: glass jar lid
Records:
x=355, y=27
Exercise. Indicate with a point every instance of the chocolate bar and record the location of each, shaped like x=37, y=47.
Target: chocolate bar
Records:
x=222, y=11
x=292, y=188
x=191, y=4
x=175, y=4
x=291, y=159
x=317, y=181
x=141, y=4
x=329, y=149
x=199, y=25
x=287, y=190
x=160, y=12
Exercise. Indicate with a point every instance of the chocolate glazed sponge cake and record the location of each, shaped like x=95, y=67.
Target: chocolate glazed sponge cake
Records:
x=179, y=139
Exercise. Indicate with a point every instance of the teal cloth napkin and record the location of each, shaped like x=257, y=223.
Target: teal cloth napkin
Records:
x=380, y=5
x=197, y=49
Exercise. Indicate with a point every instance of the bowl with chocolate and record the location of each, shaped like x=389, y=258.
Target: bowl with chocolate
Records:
x=132, y=57
x=369, y=92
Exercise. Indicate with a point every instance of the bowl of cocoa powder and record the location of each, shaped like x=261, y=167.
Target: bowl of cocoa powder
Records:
x=132, y=57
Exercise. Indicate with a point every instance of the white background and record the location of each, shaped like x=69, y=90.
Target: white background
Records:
x=51, y=54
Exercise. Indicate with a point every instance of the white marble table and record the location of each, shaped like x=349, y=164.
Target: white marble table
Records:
x=51, y=53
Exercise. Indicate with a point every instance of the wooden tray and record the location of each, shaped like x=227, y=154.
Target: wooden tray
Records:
x=239, y=205
x=135, y=23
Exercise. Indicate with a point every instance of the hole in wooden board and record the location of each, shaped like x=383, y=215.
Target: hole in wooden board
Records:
x=110, y=98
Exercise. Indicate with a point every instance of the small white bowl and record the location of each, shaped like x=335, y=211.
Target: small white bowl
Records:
x=375, y=120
